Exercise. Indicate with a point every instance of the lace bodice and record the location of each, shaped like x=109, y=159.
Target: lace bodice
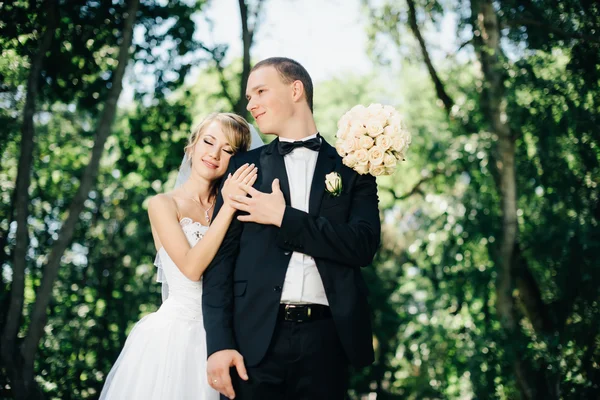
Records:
x=177, y=288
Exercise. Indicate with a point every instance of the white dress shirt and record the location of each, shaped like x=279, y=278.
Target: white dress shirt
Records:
x=302, y=284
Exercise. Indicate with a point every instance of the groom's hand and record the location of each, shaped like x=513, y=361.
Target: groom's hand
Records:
x=217, y=370
x=263, y=208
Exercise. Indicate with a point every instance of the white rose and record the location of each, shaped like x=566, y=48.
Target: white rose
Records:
x=374, y=109
x=376, y=155
x=361, y=168
x=374, y=128
x=389, y=171
x=344, y=122
x=384, y=141
x=357, y=129
x=342, y=133
x=362, y=156
x=389, y=111
x=359, y=112
x=333, y=183
x=351, y=144
x=350, y=160
x=389, y=160
x=389, y=131
x=339, y=146
x=382, y=119
x=366, y=142
x=396, y=122
x=377, y=170
x=377, y=114
x=398, y=143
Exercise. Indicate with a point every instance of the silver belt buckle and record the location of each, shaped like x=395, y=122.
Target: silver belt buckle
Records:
x=289, y=316
x=288, y=313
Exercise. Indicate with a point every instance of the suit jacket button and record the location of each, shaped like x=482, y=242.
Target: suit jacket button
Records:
x=287, y=253
x=277, y=289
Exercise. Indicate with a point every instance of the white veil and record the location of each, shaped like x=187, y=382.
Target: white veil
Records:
x=185, y=171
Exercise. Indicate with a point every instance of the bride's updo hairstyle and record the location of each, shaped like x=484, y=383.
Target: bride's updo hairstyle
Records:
x=235, y=128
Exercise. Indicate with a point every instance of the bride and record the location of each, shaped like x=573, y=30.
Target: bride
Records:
x=164, y=356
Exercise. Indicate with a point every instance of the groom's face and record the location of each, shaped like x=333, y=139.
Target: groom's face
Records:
x=270, y=100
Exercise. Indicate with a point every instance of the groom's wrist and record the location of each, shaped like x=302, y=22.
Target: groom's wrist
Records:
x=278, y=216
x=291, y=225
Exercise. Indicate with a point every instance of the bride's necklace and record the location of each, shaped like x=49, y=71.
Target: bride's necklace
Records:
x=206, y=210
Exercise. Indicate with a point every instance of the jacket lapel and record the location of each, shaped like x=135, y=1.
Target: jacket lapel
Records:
x=325, y=165
x=272, y=166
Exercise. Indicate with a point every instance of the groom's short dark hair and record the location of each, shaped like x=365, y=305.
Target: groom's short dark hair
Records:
x=290, y=71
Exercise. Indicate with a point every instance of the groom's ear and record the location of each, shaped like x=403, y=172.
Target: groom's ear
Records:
x=298, y=90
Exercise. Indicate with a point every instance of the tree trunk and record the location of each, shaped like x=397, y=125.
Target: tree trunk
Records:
x=247, y=42
x=486, y=30
x=20, y=204
x=514, y=268
x=39, y=313
x=493, y=102
x=529, y=292
x=247, y=34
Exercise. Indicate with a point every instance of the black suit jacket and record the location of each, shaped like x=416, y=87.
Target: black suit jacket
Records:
x=242, y=286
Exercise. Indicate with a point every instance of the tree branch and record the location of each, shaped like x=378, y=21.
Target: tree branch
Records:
x=437, y=82
x=529, y=22
x=255, y=17
x=417, y=188
x=217, y=56
x=531, y=296
x=38, y=315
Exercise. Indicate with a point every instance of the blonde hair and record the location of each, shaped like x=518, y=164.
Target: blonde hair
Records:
x=235, y=128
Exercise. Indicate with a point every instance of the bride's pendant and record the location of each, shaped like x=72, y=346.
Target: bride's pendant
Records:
x=195, y=200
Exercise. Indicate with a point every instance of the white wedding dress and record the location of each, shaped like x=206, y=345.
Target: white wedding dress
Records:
x=165, y=354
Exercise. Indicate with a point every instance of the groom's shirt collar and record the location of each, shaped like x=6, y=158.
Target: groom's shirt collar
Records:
x=301, y=140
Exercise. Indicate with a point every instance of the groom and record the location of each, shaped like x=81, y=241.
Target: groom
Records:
x=285, y=290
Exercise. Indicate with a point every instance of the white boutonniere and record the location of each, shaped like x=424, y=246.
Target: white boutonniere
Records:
x=333, y=184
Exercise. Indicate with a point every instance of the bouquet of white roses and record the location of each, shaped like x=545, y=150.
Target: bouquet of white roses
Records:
x=372, y=139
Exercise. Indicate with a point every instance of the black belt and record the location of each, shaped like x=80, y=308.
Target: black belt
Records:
x=303, y=312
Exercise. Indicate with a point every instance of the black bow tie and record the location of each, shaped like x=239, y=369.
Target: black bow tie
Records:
x=287, y=147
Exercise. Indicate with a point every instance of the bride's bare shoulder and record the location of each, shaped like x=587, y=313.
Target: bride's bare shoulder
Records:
x=162, y=202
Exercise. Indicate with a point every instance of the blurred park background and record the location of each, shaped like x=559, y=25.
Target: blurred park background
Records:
x=487, y=282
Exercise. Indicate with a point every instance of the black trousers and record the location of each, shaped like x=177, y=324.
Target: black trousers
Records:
x=305, y=361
